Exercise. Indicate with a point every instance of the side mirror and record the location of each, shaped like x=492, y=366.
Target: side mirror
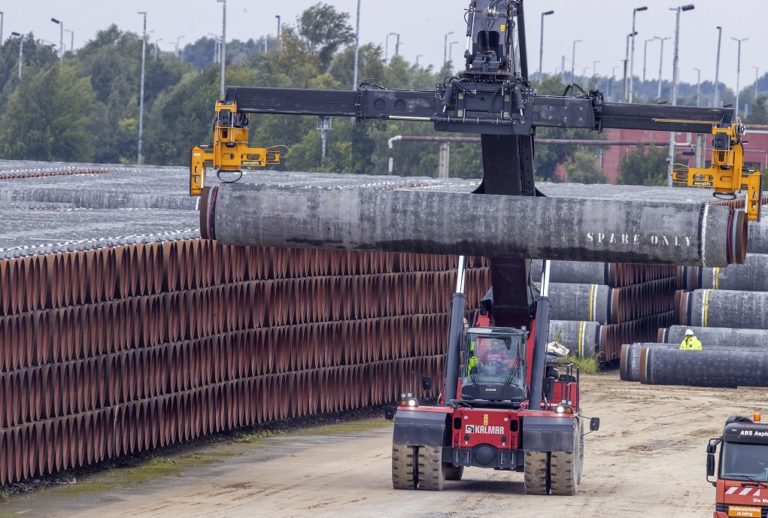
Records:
x=389, y=413
x=426, y=383
x=594, y=424
x=710, y=465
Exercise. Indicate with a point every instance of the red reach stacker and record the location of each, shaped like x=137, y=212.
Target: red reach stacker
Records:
x=506, y=405
x=741, y=477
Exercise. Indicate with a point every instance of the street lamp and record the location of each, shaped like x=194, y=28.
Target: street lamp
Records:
x=357, y=49
x=178, y=40
x=675, y=77
x=661, y=62
x=717, y=66
x=541, y=43
x=279, y=29
x=632, y=54
x=418, y=57
x=2, y=17
x=594, y=68
x=450, y=51
x=21, y=49
x=71, y=39
x=224, y=47
x=573, y=59
x=626, y=67
x=698, y=86
x=445, y=47
x=141, y=89
x=613, y=83
x=157, y=47
x=757, y=80
x=386, y=45
x=738, y=72
x=61, y=36
x=645, y=55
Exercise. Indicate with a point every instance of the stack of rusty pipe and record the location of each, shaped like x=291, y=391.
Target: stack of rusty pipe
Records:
x=115, y=351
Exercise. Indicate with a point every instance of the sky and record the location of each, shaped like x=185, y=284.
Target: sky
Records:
x=602, y=25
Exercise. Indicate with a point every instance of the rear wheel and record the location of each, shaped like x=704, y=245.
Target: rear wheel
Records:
x=453, y=472
x=431, y=475
x=564, y=472
x=537, y=477
x=404, y=466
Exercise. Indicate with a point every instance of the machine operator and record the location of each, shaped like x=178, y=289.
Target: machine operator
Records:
x=690, y=342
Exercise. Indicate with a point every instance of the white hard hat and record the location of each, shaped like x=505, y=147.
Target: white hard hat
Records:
x=689, y=332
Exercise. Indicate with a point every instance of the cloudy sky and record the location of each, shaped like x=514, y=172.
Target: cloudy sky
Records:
x=601, y=24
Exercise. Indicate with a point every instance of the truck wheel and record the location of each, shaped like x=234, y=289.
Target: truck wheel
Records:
x=404, y=466
x=537, y=473
x=563, y=465
x=431, y=472
x=453, y=472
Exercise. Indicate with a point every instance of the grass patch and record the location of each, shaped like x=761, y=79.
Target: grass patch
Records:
x=585, y=365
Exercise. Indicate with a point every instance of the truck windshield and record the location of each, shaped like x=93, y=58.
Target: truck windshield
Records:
x=494, y=359
x=747, y=462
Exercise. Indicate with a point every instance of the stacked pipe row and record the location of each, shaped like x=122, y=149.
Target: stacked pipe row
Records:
x=614, y=302
x=42, y=172
x=727, y=309
x=115, y=351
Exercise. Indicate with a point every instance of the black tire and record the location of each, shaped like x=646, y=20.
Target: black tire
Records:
x=404, y=466
x=453, y=472
x=537, y=474
x=564, y=472
x=431, y=468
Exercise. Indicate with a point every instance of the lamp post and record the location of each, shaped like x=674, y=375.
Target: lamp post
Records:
x=157, y=47
x=224, y=47
x=450, y=51
x=645, y=56
x=717, y=66
x=573, y=59
x=626, y=68
x=2, y=18
x=357, y=49
x=675, y=77
x=418, y=57
x=279, y=30
x=178, y=40
x=613, y=84
x=739, y=41
x=541, y=43
x=661, y=63
x=21, y=49
x=632, y=53
x=698, y=86
x=445, y=47
x=386, y=45
x=61, y=36
x=71, y=39
x=594, y=68
x=757, y=80
x=139, y=158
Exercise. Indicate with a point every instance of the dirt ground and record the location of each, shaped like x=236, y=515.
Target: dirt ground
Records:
x=647, y=460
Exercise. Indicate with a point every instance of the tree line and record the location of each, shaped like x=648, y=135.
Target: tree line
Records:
x=85, y=107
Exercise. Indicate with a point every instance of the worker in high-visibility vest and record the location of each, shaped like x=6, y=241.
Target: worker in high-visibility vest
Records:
x=690, y=342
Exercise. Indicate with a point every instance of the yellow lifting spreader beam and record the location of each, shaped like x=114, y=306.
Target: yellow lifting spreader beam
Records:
x=229, y=151
x=726, y=174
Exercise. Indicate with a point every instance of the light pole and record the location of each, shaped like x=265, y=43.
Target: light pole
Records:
x=279, y=30
x=21, y=49
x=139, y=158
x=573, y=59
x=450, y=51
x=645, y=56
x=445, y=47
x=61, y=36
x=215, y=47
x=157, y=47
x=613, y=84
x=357, y=49
x=224, y=47
x=739, y=41
x=675, y=77
x=178, y=40
x=71, y=39
x=2, y=18
x=418, y=58
x=386, y=45
x=661, y=63
x=632, y=54
x=541, y=43
x=594, y=68
x=626, y=68
x=698, y=86
x=717, y=66
x=757, y=80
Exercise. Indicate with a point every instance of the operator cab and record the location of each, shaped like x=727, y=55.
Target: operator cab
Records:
x=494, y=365
x=744, y=454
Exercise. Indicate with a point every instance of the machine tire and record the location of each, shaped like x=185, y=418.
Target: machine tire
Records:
x=537, y=473
x=404, y=466
x=564, y=470
x=431, y=475
x=453, y=472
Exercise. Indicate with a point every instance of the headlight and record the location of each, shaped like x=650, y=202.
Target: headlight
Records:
x=560, y=409
x=412, y=403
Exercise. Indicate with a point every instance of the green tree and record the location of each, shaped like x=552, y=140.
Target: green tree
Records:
x=47, y=118
x=325, y=30
x=583, y=168
x=646, y=165
x=759, y=112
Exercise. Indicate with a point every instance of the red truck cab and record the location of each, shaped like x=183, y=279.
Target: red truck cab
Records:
x=742, y=468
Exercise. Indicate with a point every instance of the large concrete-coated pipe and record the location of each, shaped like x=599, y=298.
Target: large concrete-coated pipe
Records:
x=587, y=302
x=714, y=368
x=722, y=308
x=457, y=223
x=751, y=276
x=574, y=272
x=758, y=237
x=717, y=335
x=581, y=338
x=629, y=358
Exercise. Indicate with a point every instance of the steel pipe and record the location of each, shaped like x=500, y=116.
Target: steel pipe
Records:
x=433, y=222
x=715, y=368
x=758, y=237
x=751, y=276
x=716, y=335
x=722, y=308
x=581, y=338
x=581, y=302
